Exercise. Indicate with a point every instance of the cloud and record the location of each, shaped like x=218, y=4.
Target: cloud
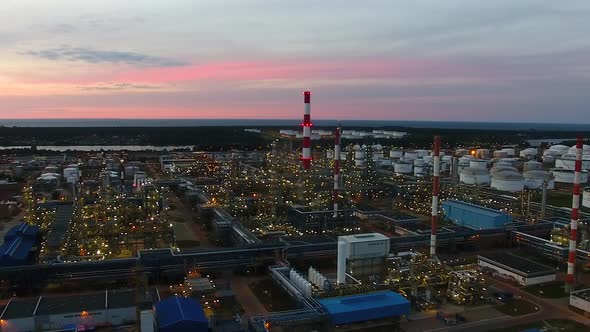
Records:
x=88, y=55
x=118, y=87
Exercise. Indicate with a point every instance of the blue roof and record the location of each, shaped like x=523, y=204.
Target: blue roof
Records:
x=175, y=313
x=364, y=307
x=474, y=208
x=18, y=242
x=22, y=229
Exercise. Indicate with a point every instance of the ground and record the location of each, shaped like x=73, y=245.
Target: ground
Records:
x=551, y=290
x=272, y=296
x=560, y=324
x=517, y=307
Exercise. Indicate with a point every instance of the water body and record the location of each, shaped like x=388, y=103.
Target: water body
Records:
x=89, y=148
x=255, y=123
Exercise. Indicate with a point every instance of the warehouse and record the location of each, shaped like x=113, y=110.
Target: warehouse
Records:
x=580, y=299
x=521, y=270
x=90, y=310
x=365, y=307
x=177, y=314
x=475, y=216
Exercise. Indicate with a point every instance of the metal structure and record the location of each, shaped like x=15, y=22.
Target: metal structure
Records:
x=336, y=169
x=570, y=277
x=435, y=184
x=306, y=157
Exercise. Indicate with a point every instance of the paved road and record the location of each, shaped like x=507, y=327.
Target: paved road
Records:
x=247, y=299
x=548, y=309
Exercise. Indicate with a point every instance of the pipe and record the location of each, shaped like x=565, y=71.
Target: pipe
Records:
x=544, y=199
x=306, y=158
x=435, y=184
x=336, y=169
x=571, y=262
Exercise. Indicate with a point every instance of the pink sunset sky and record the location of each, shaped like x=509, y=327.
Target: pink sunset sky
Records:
x=514, y=61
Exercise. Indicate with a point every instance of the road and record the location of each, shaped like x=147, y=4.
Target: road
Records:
x=247, y=299
x=548, y=309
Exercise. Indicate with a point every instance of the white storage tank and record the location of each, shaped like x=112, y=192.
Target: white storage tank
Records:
x=474, y=175
x=377, y=155
x=359, y=162
x=482, y=153
x=418, y=170
x=385, y=162
x=343, y=156
x=422, y=153
x=507, y=181
x=511, y=152
x=500, y=154
x=534, y=179
x=447, y=159
x=478, y=164
x=70, y=172
x=330, y=154
x=419, y=162
x=568, y=161
x=586, y=197
x=461, y=152
x=428, y=159
x=411, y=155
x=529, y=153
x=359, y=154
x=395, y=153
x=567, y=175
x=532, y=165
x=402, y=167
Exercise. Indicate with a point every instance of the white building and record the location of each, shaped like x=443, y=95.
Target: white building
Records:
x=581, y=299
x=361, y=255
x=516, y=268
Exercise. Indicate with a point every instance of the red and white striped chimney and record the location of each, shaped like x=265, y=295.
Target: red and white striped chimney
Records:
x=435, y=183
x=336, y=169
x=306, y=158
x=571, y=262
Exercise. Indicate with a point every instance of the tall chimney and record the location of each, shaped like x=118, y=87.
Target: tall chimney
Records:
x=336, y=169
x=435, y=183
x=306, y=158
x=571, y=262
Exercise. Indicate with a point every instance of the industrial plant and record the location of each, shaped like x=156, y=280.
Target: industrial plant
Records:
x=328, y=229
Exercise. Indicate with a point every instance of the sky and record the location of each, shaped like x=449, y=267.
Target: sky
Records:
x=452, y=60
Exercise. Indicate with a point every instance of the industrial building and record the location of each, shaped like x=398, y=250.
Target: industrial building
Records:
x=19, y=245
x=362, y=256
x=580, y=299
x=365, y=307
x=516, y=268
x=475, y=216
x=84, y=311
x=177, y=314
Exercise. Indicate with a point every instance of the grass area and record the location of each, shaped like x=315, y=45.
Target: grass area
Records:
x=551, y=290
x=272, y=296
x=517, y=307
x=558, y=325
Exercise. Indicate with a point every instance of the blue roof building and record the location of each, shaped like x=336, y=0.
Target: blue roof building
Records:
x=178, y=314
x=364, y=307
x=475, y=216
x=18, y=245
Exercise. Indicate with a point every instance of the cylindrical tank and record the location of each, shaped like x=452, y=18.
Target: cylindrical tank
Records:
x=422, y=153
x=343, y=156
x=418, y=170
x=529, y=153
x=507, y=181
x=330, y=154
x=402, y=167
x=395, y=153
x=377, y=155
x=385, y=162
x=478, y=164
x=359, y=162
x=341, y=263
x=419, y=162
x=586, y=197
x=482, y=153
x=359, y=154
x=461, y=152
x=447, y=159
x=532, y=166
x=70, y=172
x=567, y=161
x=474, y=175
x=428, y=159
x=500, y=154
x=511, y=152
x=567, y=175
x=534, y=179
x=411, y=155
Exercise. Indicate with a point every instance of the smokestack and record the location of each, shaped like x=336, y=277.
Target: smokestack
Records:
x=435, y=183
x=336, y=169
x=570, y=277
x=306, y=158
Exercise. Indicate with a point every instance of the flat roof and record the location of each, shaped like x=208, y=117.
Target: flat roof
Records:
x=474, y=208
x=365, y=307
x=517, y=264
x=363, y=237
x=19, y=308
x=71, y=303
x=582, y=293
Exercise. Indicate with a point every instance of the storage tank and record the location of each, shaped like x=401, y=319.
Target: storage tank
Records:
x=529, y=153
x=478, y=164
x=428, y=160
x=507, y=181
x=482, y=153
x=359, y=162
x=567, y=175
x=402, y=167
x=586, y=197
x=385, y=162
x=343, y=156
x=568, y=160
x=330, y=154
x=511, y=152
x=377, y=155
x=50, y=169
x=359, y=154
x=474, y=175
x=500, y=154
x=419, y=162
x=70, y=172
x=534, y=179
x=461, y=152
x=395, y=153
x=532, y=165
x=418, y=170
x=447, y=159
x=411, y=155
x=422, y=153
